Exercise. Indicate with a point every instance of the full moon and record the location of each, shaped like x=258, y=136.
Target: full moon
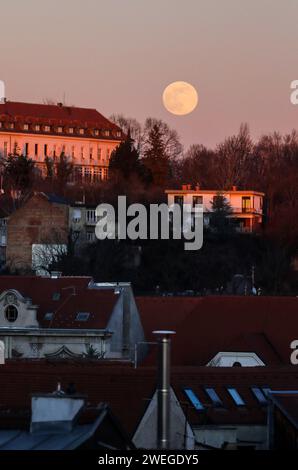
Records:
x=180, y=98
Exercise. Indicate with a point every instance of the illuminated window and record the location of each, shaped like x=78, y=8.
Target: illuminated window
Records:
x=11, y=313
x=213, y=396
x=193, y=399
x=236, y=396
x=259, y=395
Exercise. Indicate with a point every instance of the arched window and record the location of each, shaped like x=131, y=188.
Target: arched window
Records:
x=11, y=313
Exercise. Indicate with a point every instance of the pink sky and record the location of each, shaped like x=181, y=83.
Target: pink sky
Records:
x=119, y=55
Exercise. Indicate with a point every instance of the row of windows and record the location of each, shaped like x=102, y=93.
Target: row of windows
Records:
x=81, y=316
x=245, y=200
x=259, y=393
x=54, y=153
x=61, y=129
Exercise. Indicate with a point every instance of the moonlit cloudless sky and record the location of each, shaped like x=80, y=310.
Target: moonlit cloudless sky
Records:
x=119, y=55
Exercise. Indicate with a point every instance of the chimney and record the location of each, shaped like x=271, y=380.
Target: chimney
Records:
x=163, y=388
x=55, y=412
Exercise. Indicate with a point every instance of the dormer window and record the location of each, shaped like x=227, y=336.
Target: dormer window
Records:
x=11, y=313
x=82, y=316
x=81, y=131
x=60, y=129
x=49, y=316
x=118, y=133
x=47, y=128
x=26, y=127
x=106, y=133
x=96, y=132
x=11, y=125
x=37, y=127
x=70, y=130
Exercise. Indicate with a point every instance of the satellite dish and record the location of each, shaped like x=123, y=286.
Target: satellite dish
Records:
x=2, y=353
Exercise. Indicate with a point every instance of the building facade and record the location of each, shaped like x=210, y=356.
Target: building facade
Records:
x=67, y=318
x=42, y=131
x=247, y=206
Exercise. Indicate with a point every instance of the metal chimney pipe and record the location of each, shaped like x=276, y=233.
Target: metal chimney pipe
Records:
x=163, y=388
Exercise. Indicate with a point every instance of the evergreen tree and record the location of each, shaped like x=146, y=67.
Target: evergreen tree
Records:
x=19, y=172
x=156, y=159
x=219, y=217
x=125, y=159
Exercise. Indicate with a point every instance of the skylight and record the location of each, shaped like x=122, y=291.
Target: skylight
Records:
x=193, y=399
x=236, y=396
x=259, y=395
x=82, y=316
x=213, y=396
x=49, y=316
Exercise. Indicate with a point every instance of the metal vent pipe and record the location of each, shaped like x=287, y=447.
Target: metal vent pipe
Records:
x=163, y=388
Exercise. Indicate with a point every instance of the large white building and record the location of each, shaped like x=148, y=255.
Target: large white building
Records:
x=39, y=131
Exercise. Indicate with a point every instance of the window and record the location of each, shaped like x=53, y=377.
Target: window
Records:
x=88, y=174
x=193, y=399
x=81, y=131
x=70, y=130
x=90, y=237
x=26, y=149
x=45, y=150
x=97, y=174
x=47, y=128
x=118, y=133
x=11, y=125
x=259, y=395
x=59, y=129
x=82, y=153
x=11, y=313
x=54, y=151
x=5, y=149
x=197, y=200
x=73, y=151
x=56, y=296
x=178, y=200
x=37, y=127
x=36, y=150
x=98, y=153
x=49, y=316
x=246, y=204
x=82, y=316
x=91, y=216
x=236, y=396
x=26, y=127
x=213, y=396
x=96, y=132
x=106, y=133
x=91, y=153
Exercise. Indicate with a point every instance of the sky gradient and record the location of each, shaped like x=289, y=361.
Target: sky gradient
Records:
x=119, y=55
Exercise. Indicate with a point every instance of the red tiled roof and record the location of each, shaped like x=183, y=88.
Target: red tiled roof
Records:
x=75, y=296
x=54, y=115
x=128, y=391
x=208, y=325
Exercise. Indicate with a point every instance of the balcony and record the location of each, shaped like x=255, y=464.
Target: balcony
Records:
x=246, y=210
